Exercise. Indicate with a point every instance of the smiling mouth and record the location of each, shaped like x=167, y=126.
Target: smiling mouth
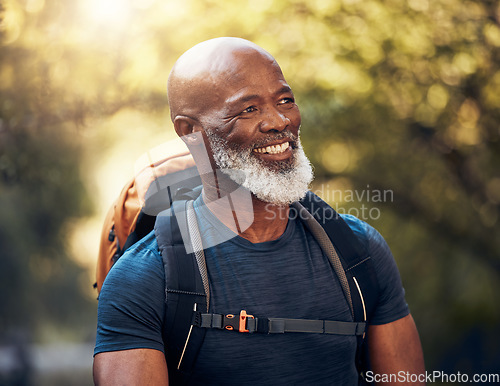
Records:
x=273, y=149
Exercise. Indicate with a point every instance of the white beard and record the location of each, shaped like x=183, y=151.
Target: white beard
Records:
x=287, y=182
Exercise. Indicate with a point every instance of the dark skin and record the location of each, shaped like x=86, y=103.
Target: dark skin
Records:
x=239, y=91
x=242, y=111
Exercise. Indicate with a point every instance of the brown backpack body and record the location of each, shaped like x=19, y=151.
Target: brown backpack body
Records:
x=167, y=168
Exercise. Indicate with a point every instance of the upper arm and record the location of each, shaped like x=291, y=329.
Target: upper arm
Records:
x=129, y=345
x=391, y=304
x=394, y=349
x=130, y=367
x=393, y=341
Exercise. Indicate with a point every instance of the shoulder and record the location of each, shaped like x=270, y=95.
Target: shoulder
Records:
x=131, y=303
x=140, y=265
x=391, y=305
x=375, y=244
x=372, y=239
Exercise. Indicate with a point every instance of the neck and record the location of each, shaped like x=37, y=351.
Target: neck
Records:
x=269, y=223
x=243, y=213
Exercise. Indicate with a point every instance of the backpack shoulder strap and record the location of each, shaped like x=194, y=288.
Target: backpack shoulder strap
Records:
x=358, y=268
x=186, y=289
x=184, y=292
x=356, y=262
x=144, y=224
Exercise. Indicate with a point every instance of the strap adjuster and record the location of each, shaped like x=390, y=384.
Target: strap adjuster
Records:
x=231, y=324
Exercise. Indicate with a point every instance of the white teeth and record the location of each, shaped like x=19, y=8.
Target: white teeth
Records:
x=275, y=149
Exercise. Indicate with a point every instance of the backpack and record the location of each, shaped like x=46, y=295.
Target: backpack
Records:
x=132, y=215
x=168, y=186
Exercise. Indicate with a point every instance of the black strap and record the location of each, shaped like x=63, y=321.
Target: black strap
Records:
x=184, y=290
x=145, y=224
x=353, y=254
x=249, y=324
x=357, y=264
x=345, y=241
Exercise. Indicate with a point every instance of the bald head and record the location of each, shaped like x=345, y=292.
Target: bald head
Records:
x=200, y=73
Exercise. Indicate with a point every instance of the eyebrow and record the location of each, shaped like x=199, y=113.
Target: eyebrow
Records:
x=247, y=98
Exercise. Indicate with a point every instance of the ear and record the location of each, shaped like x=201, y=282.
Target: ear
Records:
x=184, y=125
x=186, y=128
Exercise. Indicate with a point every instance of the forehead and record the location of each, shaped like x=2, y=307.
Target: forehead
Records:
x=249, y=73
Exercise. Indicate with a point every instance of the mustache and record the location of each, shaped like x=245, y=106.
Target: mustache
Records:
x=218, y=143
x=270, y=138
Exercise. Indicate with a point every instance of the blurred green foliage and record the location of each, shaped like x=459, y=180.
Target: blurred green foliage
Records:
x=40, y=190
x=396, y=95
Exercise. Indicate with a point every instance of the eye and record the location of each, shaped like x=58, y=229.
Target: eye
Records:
x=286, y=101
x=250, y=109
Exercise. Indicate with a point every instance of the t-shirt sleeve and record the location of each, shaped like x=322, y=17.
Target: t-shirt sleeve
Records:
x=131, y=303
x=391, y=305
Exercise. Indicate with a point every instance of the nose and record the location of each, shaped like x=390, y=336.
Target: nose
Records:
x=273, y=119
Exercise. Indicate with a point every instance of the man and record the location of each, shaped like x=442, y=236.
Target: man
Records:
x=229, y=96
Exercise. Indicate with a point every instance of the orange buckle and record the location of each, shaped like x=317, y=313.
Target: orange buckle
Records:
x=243, y=320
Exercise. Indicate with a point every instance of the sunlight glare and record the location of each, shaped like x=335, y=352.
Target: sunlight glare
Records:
x=110, y=12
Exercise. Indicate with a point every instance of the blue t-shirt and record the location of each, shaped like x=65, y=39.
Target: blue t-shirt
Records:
x=285, y=278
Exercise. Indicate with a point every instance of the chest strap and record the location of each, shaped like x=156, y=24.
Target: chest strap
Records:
x=248, y=323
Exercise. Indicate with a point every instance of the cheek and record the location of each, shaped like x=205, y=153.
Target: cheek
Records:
x=295, y=118
x=242, y=131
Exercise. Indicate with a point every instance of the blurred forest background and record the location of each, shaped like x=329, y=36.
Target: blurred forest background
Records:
x=398, y=96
